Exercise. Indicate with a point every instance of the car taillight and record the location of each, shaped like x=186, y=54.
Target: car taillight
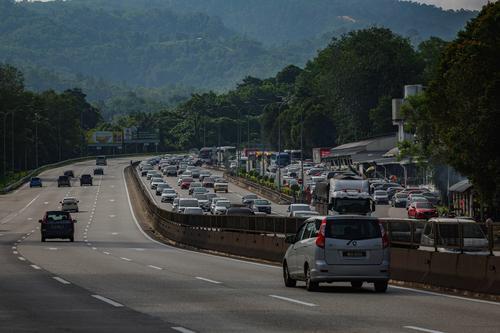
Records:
x=320, y=239
x=385, y=238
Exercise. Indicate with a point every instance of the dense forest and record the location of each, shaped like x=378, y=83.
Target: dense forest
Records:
x=148, y=55
x=343, y=94
x=40, y=128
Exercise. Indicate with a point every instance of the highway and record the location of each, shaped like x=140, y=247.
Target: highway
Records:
x=114, y=277
x=234, y=195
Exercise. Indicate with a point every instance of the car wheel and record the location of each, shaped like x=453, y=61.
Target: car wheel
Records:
x=381, y=287
x=310, y=285
x=43, y=239
x=289, y=282
x=72, y=239
x=356, y=284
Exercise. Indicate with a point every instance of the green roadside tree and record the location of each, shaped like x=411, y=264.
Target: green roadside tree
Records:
x=458, y=118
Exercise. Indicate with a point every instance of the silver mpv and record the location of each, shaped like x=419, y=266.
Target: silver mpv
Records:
x=341, y=248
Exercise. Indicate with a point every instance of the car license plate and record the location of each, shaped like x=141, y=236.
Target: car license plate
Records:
x=354, y=254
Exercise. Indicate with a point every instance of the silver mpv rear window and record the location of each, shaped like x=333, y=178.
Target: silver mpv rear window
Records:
x=351, y=229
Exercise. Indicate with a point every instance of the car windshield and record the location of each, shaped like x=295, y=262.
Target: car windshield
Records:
x=401, y=195
x=201, y=196
x=380, y=193
x=196, y=184
x=57, y=216
x=261, y=202
x=188, y=203
x=225, y=204
x=300, y=207
x=35, y=179
x=351, y=229
x=168, y=190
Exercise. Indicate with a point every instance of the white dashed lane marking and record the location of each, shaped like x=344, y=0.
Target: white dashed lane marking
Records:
x=416, y=328
x=35, y=266
x=292, y=300
x=207, y=280
x=155, y=267
x=61, y=280
x=107, y=300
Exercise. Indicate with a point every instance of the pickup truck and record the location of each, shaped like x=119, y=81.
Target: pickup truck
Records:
x=221, y=185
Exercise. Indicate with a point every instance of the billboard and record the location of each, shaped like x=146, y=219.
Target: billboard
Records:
x=104, y=139
x=137, y=135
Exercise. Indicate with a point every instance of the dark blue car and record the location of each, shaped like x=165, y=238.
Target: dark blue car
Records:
x=35, y=182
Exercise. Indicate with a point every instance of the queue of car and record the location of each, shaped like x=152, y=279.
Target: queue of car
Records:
x=202, y=188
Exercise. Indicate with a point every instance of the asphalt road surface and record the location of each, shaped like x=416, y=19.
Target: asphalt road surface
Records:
x=113, y=277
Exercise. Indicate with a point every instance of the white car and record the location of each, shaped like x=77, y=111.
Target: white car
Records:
x=297, y=207
x=221, y=207
x=193, y=211
x=69, y=204
x=168, y=195
x=185, y=203
x=155, y=182
x=304, y=213
x=214, y=202
x=380, y=196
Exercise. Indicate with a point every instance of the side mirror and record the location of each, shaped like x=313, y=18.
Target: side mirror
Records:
x=74, y=221
x=60, y=202
x=290, y=239
x=40, y=221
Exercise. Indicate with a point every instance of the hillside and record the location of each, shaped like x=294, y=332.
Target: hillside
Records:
x=289, y=21
x=147, y=47
x=165, y=49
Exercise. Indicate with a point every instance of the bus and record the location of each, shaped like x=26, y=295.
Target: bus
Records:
x=294, y=155
x=208, y=154
x=280, y=159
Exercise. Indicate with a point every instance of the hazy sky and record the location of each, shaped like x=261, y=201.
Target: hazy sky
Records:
x=446, y=4
x=455, y=4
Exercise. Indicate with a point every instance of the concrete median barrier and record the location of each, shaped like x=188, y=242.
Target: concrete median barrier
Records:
x=263, y=238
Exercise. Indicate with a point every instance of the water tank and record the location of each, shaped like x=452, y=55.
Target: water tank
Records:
x=412, y=90
x=396, y=110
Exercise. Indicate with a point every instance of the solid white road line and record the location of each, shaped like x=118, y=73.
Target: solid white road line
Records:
x=182, y=329
x=10, y=217
x=422, y=329
x=107, y=253
x=15, y=252
x=35, y=266
x=107, y=300
x=155, y=267
x=126, y=259
x=445, y=295
x=207, y=280
x=61, y=280
x=292, y=300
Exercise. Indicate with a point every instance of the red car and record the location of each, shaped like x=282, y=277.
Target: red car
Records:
x=186, y=183
x=422, y=210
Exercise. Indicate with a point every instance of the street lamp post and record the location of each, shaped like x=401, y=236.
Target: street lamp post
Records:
x=36, y=140
x=302, y=154
x=5, y=143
